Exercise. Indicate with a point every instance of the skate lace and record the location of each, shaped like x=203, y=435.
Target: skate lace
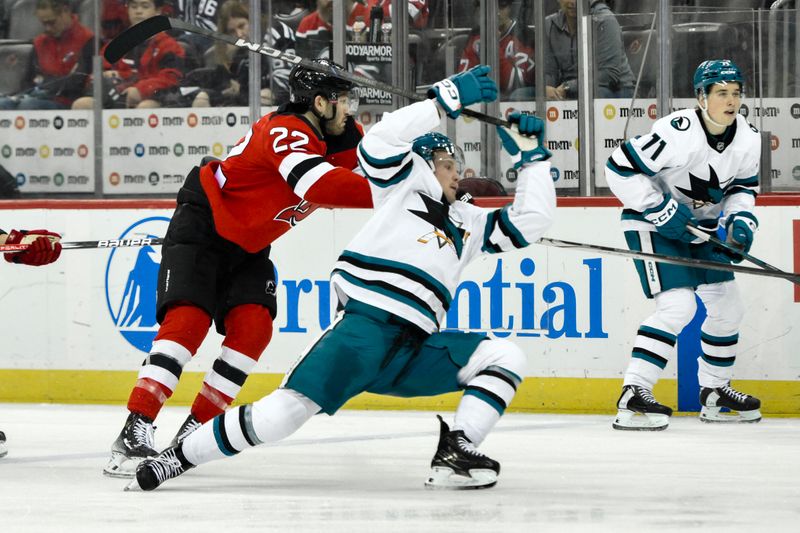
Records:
x=144, y=433
x=733, y=393
x=467, y=447
x=166, y=466
x=188, y=429
x=646, y=395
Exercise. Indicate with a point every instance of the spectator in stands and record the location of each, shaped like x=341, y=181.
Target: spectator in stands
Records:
x=61, y=62
x=613, y=75
x=417, y=11
x=516, y=76
x=147, y=75
x=315, y=32
x=113, y=19
x=228, y=82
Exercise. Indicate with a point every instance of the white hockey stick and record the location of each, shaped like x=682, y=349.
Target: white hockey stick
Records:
x=108, y=243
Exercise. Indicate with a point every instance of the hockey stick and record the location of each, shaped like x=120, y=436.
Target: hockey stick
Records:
x=741, y=253
x=110, y=243
x=137, y=34
x=672, y=260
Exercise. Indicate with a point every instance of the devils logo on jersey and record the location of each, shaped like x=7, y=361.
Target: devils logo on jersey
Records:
x=296, y=213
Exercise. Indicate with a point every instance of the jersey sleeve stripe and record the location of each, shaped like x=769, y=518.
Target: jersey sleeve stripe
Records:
x=614, y=167
x=510, y=230
x=388, y=162
x=401, y=174
x=308, y=173
x=488, y=245
x=635, y=160
x=293, y=161
x=736, y=190
x=408, y=271
x=390, y=291
x=752, y=181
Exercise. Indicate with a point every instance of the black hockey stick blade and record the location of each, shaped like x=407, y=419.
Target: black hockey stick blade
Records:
x=134, y=36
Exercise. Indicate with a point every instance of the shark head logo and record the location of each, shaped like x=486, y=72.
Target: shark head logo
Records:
x=131, y=281
x=703, y=192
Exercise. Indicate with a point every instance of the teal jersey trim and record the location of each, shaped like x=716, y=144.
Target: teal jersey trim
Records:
x=218, y=437
x=386, y=162
x=411, y=272
x=390, y=292
x=511, y=231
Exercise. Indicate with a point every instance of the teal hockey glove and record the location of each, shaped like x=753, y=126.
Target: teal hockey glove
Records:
x=525, y=143
x=463, y=89
x=741, y=228
x=670, y=219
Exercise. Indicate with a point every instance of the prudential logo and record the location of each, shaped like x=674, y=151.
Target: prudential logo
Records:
x=131, y=282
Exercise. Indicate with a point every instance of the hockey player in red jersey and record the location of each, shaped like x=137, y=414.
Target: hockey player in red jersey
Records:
x=215, y=258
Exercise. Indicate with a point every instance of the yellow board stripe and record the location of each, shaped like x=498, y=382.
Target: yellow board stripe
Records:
x=535, y=395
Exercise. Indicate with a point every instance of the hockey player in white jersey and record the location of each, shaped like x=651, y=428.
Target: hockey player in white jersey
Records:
x=396, y=280
x=693, y=166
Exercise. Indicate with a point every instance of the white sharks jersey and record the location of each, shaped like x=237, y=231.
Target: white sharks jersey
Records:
x=408, y=258
x=707, y=174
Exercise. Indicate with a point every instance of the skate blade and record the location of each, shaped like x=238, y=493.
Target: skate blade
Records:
x=121, y=467
x=445, y=479
x=712, y=415
x=133, y=486
x=631, y=421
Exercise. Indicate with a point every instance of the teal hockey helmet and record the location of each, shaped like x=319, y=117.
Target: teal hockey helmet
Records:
x=426, y=145
x=716, y=71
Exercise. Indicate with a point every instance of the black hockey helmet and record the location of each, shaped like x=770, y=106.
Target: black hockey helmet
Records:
x=305, y=84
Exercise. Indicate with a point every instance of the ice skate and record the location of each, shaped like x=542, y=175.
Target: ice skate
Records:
x=187, y=428
x=154, y=471
x=135, y=442
x=458, y=465
x=745, y=407
x=639, y=411
x=3, y=449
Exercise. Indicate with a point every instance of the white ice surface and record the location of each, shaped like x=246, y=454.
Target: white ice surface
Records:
x=364, y=472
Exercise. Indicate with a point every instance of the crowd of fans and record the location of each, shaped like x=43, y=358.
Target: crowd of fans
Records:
x=182, y=70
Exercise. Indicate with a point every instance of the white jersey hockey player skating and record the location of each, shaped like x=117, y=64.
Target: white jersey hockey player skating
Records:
x=680, y=157
x=696, y=167
x=408, y=258
x=396, y=280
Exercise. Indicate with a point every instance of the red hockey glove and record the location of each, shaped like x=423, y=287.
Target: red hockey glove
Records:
x=44, y=247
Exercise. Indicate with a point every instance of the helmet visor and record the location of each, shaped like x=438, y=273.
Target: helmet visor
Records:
x=453, y=153
x=350, y=99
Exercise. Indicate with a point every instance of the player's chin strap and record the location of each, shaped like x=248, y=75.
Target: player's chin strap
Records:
x=704, y=109
x=322, y=118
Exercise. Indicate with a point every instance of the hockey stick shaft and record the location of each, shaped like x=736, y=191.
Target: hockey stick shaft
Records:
x=672, y=260
x=142, y=31
x=724, y=245
x=109, y=243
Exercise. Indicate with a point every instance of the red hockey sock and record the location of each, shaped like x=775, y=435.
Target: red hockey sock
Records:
x=248, y=329
x=147, y=397
x=209, y=403
x=186, y=325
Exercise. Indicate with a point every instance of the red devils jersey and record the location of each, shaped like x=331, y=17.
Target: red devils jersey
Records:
x=264, y=185
x=516, y=57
